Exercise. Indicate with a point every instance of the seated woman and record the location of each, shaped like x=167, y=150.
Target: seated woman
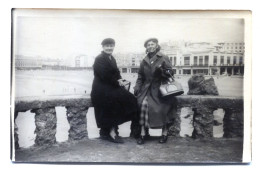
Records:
x=113, y=104
x=155, y=111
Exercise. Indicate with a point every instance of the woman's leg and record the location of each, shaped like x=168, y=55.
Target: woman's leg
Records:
x=164, y=130
x=140, y=140
x=164, y=136
x=112, y=132
x=142, y=131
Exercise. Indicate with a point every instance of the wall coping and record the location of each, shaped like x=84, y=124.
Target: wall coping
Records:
x=23, y=104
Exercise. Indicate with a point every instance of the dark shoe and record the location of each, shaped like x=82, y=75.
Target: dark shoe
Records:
x=105, y=137
x=140, y=140
x=118, y=139
x=163, y=139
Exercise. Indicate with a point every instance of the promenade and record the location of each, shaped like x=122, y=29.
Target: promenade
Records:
x=176, y=150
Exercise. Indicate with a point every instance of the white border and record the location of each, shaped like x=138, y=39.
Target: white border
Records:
x=5, y=11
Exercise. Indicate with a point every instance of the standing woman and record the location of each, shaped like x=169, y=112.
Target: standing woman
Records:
x=155, y=111
x=113, y=104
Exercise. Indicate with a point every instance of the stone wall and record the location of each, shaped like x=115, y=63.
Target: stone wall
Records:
x=77, y=108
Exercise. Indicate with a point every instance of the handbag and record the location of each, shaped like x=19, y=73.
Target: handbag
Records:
x=172, y=87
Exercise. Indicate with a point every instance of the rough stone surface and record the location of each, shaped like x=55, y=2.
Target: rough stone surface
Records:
x=199, y=86
x=45, y=121
x=233, y=123
x=210, y=87
x=78, y=123
x=184, y=101
x=203, y=121
x=175, y=126
x=81, y=104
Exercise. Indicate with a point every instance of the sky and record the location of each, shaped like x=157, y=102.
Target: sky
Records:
x=67, y=34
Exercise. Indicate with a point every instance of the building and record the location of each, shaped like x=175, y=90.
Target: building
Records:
x=190, y=58
x=31, y=62
x=80, y=61
x=27, y=62
x=129, y=63
x=202, y=57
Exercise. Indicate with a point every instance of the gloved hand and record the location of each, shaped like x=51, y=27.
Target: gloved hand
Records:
x=136, y=92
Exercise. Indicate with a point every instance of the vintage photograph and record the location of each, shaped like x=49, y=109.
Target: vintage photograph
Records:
x=130, y=86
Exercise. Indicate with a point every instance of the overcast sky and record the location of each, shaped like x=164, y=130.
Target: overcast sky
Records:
x=67, y=35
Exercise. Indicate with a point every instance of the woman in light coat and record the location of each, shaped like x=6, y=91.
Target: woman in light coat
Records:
x=155, y=110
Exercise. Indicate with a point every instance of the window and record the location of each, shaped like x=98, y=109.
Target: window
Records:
x=175, y=60
x=171, y=59
x=187, y=60
x=195, y=61
x=200, y=60
x=234, y=60
x=215, y=60
x=124, y=70
x=222, y=60
x=228, y=60
x=186, y=71
x=240, y=60
x=206, y=60
x=134, y=70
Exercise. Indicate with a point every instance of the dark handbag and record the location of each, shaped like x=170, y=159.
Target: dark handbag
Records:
x=172, y=87
x=126, y=84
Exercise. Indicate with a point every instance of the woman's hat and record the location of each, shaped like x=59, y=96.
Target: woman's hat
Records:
x=151, y=39
x=108, y=41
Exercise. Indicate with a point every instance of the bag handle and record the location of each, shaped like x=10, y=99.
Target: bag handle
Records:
x=171, y=77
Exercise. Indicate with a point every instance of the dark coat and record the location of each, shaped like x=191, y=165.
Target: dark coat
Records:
x=161, y=109
x=113, y=104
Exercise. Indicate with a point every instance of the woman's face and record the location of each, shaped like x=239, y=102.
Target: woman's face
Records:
x=108, y=48
x=151, y=46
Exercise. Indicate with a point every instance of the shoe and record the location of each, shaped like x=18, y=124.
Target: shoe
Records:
x=140, y=140
x=117, y=139
x=163, y=139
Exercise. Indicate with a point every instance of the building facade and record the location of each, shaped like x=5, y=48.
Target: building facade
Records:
x=190, y=58
x=23, y=62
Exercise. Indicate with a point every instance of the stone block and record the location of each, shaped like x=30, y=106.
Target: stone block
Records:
x=76, y=117
x=46, y=123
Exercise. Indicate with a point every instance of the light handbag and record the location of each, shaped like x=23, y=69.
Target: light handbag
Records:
x=172, y=88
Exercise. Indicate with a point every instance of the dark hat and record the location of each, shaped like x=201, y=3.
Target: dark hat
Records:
x=150, y=39
x=108, y=41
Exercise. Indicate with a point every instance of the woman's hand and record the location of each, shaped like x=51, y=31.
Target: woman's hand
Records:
x=120, y=82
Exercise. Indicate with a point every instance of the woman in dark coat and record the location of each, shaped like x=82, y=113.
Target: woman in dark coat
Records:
x=112, y=103
x=155, y=111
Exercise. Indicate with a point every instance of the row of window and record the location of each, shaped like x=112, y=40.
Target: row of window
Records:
x=236, y=43
x=198, y=60
x=222, y=60
x=236, y=47
x=25, y=64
